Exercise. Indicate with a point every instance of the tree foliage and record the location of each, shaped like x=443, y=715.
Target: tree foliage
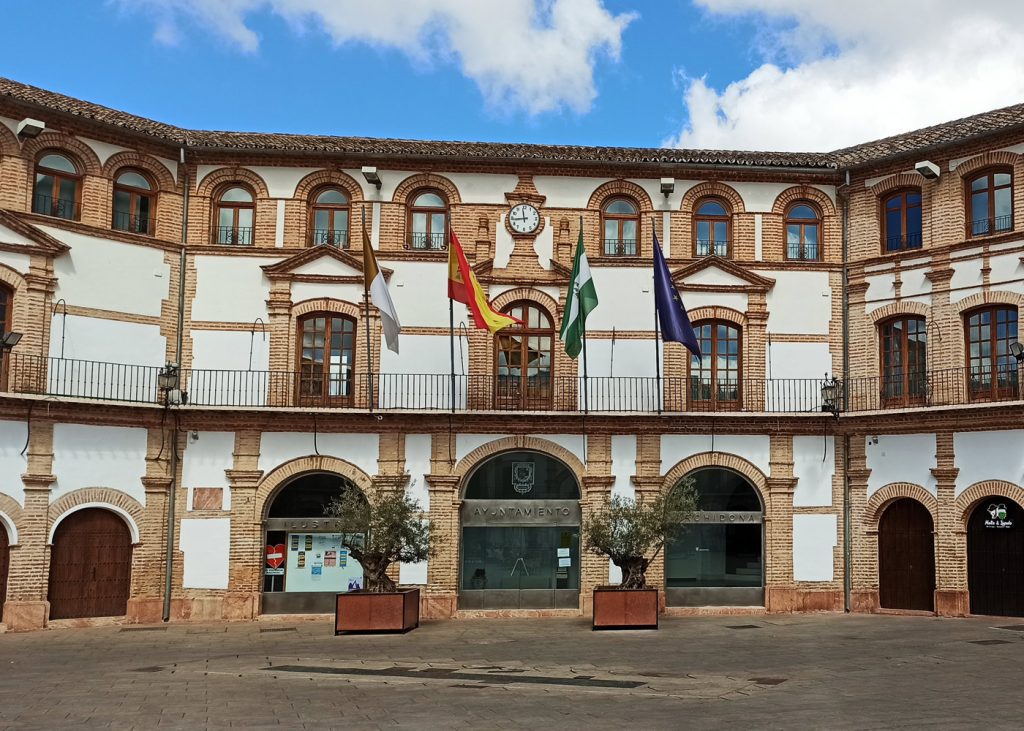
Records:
x=380, y=529
x=631, y=532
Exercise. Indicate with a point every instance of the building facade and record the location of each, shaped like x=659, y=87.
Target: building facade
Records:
x=134, y=489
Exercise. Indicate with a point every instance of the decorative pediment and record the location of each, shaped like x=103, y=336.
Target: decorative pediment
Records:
x=558, y=274
x=321, y=264
x=715, y=274
x=22, y=237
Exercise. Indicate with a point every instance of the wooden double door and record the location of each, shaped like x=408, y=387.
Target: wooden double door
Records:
x=90, y=566
x=995, y=558
x=906, y=557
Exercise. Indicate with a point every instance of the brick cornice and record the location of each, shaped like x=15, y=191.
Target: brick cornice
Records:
x=244, y=478
x=945, y=474
x=36, y=482
x=938, y=276
x=443, y=483
x=156, y=484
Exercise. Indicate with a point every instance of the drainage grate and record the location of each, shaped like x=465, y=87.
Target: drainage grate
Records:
x=989, y=642
x=447, y=674
x=768, y=681
x=143, y=629
x=278, y=629
x=743, y=626
x=1012, y=627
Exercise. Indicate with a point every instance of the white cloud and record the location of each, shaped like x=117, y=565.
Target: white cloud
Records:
x=536, y=55
x=840, y=73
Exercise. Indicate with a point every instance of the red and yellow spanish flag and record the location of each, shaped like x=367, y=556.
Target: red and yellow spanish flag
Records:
x=463, y=287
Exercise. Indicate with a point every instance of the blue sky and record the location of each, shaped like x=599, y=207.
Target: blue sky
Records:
x=774, y=74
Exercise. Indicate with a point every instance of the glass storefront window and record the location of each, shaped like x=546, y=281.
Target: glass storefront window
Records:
x=520, y=558
x=522, y=476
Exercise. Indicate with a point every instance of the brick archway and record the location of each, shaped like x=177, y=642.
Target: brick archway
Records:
x=279, y=477
x=720, y=460
x=992, y=158
x=887, y=495
x=426, y=180
x=67, y=144
x=712, y=189
x=157, y=170
x=968, y=500
x=803, y=192
x=123, y=505
x=484, y=452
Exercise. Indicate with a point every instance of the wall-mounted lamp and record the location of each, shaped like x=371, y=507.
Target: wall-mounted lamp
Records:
x=927, y=169
x=831, y=395
x=1017, y=351
x=371, y=175
x=169, y=380
x=9, y=340
x=668, y=186
x=28, y=127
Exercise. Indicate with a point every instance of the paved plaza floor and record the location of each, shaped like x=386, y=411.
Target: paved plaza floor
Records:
x=785, y=672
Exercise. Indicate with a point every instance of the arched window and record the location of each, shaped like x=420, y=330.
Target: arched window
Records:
x=523, y=359
x=903, y=356
x=6, y=323
x=58, y=187
x=803, y=232
x=428, y=221
x=134, y=202
x=715, y=376
x=236, y=208
x=620, y=221
x=711, y=228
x=328, y=218
x=326, y=359
x=990, y=203
x=992, y=369
x=901, y=227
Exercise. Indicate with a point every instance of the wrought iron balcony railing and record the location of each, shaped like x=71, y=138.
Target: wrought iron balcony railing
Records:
x=984, y=226
x=443, y=392
x=707, y=247
x=133, y=223
x=329, y=237
x=620, y=247
x=912, y=240
x=233, y=235
x=58, y=207
x=427, y=242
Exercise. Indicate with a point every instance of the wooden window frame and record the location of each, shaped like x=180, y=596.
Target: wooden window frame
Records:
x=803, y=223
x=235, y=206
x=134, y=194
x=6, y=325
x=326, y=237
x=698, y=219
x=514, y=395
x=430, y=235
x=912, y=383
x=905, y=239
x=77, y=177
x=620, y=247
x=715, y=402
x=323, y=378
x=990, y=218
x=994, y=391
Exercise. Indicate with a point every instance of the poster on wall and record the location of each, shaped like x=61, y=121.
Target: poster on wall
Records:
x=319, y=562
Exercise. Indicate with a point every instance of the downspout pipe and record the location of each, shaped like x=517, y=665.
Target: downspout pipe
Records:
x=178, y=349
x=844, y=199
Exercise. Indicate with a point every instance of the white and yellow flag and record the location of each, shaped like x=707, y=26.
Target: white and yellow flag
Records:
x=379, y=295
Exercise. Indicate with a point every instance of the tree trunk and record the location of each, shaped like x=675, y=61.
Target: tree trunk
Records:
x=375, y=575
x=634, y=572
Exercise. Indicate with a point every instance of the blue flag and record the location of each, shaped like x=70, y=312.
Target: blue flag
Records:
x=675, y=323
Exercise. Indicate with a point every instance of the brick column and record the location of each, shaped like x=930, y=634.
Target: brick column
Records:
x=26, y=607
x=440, y=599
x=593, y=566
x=246, y=553
x=864, y=538
x=951, y=592
x=780, y=594
x=282, y=344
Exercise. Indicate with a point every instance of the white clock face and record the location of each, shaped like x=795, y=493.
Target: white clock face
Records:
x=524, y=218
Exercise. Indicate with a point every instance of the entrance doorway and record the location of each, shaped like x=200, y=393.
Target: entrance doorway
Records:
x=995, y=555
x=521, y=535
x=906, y=557
x=5, y=560
x=719, y=559
x=306, y=562
x=90, y=566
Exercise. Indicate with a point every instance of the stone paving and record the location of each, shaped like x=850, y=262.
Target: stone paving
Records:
x=775, y=671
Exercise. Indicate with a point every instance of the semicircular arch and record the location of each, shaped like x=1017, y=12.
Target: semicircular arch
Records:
x=124, y=505
x=426, y=180
x=156, y=169
x=806, y=193
x=61, y=142
x=720, y=460
x=279, y=477
x=968, y=500
x=620, y=189
x=888, y=494
x=712, y=189
x=465, y=466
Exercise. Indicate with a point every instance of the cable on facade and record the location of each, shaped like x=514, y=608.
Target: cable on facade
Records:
x=28, y=429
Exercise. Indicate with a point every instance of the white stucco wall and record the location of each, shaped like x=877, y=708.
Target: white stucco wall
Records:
x=17, y=262
x=799, y=303
x=417, y=464
x=99, y=456
x=799, y=360
x=362, y=450
x=627, y=303
x=205, y=461
x=1007, y=267
x=623, y=464
x=755, y=449
x=466, y=443
x=347, y=292
x=13, y=436
x=419, y=290
x=229, y=349
x=901, y=458
x=104, y=150
x=814, y=474
x=110, y=275
x=206, y=544
x=989, y=455
x=107, y=341
x=967, y=278
x=814, y=540
x=483, y=187
x=231, y=289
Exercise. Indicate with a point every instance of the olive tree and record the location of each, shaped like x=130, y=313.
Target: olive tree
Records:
x=632, y=531
x=380, y=529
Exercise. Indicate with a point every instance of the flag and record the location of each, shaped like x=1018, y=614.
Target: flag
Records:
x=463, y=287
x=579, y=302
x=373, y=281
x=675, y=323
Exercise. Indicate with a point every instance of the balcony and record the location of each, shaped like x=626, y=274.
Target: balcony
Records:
x=707, y=247
x=329, y=237
x=56, y=207
x=985, y=226
x=133, y=223
x=232, y=235
x=901, y=243
x=443, y=392
x=427, y=242
x=620, y=247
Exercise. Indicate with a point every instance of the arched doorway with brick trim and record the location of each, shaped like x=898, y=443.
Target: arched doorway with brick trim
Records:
x=90, y=565
x=995, y=555
x=906, y=556
x=5, y=562
x=719, y=558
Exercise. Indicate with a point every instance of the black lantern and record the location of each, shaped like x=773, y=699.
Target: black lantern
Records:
x=167, y=379
x=831, y=395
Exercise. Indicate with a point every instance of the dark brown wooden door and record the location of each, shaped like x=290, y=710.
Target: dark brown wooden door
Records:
x=5, y=558
x=90, y=566
x=995, y=558
x=906, y=557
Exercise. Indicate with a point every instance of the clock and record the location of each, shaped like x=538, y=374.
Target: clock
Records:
x=523, y=218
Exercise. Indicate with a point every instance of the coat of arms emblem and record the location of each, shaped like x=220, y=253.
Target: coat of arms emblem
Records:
x=522, y=476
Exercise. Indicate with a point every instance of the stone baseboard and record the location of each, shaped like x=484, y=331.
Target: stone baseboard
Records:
x=952, y=602
x=25, y=616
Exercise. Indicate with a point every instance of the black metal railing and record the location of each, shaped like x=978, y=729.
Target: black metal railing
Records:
x=442, y=392
x=802, y=252
x=707, y=247
x=133, y=223
x=620, y=247
x=427, y=242
x=233, y=235
x=899, y=243
x=329, y=237
x=983, y=226
x=58, y=207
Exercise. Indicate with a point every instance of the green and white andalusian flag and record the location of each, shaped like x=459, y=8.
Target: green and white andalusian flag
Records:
x=580, y=301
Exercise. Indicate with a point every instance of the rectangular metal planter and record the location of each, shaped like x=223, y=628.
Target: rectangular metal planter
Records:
x=364, y=611
x=625, y=608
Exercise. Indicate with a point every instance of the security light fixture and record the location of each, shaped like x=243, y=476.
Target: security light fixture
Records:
x=927, y=169
x=831, y=393
x=370, y=173
x=29, y=127
x=668, y=186
x=1017, y=351
x=9, y=340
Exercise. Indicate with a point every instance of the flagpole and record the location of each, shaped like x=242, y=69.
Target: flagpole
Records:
x=451, y=348
x=657, y=326
x=583, y=333
x=369, y=340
